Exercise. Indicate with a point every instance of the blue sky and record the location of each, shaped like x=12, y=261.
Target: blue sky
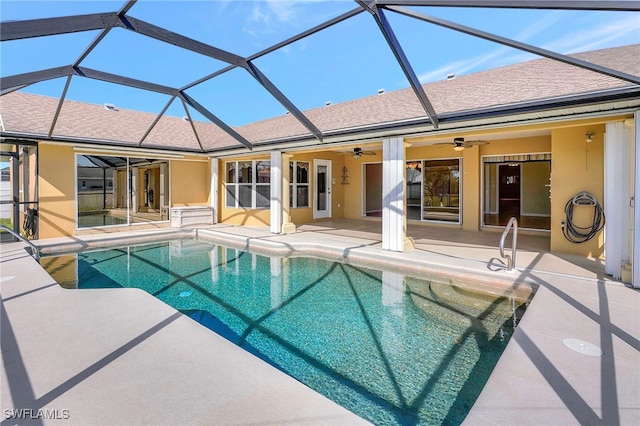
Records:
x=347, y=61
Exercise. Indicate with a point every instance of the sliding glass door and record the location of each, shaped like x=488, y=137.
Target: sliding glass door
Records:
x=113, y=191
x=433, y=190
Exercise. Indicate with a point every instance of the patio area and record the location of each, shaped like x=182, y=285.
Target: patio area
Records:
x=99, y=354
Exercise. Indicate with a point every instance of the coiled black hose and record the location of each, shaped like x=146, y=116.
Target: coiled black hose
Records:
x=578, y=234
x=30, y=223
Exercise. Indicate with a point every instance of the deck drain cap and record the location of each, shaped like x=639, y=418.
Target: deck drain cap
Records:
x=580, y=346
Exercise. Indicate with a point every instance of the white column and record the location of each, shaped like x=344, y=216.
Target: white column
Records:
x=163, y=190
x=636, y=211
x=115, y=189
x=276, y=192
x=613, y=197
x=393, y=223
x=213, y=192
x=134, y=190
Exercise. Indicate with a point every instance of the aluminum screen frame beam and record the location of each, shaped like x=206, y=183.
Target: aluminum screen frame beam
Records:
x=608, y=5
x=192, y=124
x=26, y=79
x=59, y=107
x=284, y=101
x=516, y=44
x=224, y=126
x=178, y=40
x=155, y=120
x=18, y=30
x=396, y=48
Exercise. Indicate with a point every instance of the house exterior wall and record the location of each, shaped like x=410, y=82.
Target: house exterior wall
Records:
x=189, y=183
x=56, y=184
x=353, y=192
x=576, y=166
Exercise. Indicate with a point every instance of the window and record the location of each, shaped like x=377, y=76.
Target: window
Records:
x=248, y=184
x=298, y=184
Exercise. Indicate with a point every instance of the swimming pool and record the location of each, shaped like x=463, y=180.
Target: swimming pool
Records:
x=391, y=348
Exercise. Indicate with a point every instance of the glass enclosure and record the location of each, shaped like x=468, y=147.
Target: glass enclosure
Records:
x=114, y=191
x=19, y=189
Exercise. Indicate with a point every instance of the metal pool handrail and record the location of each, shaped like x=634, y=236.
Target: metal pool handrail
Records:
x=35, y=251
x=511, y=260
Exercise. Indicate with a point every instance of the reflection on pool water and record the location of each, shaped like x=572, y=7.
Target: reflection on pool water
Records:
x=88, y=219
x=391, y=348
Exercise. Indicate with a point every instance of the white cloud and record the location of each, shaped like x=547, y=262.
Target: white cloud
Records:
x=594, y=34
x=599, y=34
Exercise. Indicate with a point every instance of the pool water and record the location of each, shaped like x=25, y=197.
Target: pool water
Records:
x=390, y=348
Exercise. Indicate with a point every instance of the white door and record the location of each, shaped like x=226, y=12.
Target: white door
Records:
x=322, y=191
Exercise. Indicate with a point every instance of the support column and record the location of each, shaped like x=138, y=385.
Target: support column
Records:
x=276, y=192
x=115, y=188
x=134, y=189
x=15, y=190
x=614, y=208
x=394, y=225
x=635, y=279
x=213, y=191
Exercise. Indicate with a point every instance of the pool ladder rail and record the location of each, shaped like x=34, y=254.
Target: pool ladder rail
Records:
x=511, y=260
x=35, y=251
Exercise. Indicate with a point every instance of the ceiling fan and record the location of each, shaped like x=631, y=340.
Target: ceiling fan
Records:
x=459, y=144
x=357, y=152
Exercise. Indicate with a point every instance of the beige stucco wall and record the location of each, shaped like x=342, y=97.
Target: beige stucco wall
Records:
x=353, y=192
x=190, y=183
x=56, y=185
x=576, y=166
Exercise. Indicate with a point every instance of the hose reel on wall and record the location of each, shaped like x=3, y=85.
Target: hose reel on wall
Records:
x=578, y=234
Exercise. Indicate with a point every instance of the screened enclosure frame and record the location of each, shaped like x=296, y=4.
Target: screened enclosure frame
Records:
x=17, y=30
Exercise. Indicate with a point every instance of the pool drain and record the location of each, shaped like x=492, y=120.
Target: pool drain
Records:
x=580, y=346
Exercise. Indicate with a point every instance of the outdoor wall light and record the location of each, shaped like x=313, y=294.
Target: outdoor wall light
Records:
x=589, y=137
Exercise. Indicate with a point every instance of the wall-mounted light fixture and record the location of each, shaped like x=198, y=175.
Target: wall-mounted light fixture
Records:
x=589, y=137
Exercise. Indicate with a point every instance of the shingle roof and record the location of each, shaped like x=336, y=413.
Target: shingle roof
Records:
x=536, y=80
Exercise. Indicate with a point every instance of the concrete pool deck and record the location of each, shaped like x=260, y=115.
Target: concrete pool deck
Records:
x=123, y=357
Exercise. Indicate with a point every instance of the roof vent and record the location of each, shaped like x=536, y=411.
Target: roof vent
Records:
x=110, y=107
x=327, y=103
x=451, y=76
x=380, y=91
x=185, y=118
